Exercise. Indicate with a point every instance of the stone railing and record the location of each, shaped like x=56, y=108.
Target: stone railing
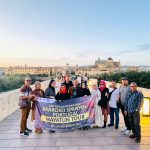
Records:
x=9, y=101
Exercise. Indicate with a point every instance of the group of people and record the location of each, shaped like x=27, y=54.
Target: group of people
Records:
x=108, y=101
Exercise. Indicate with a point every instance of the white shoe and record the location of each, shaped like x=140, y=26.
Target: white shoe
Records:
x=127, y=133
x=124, y=129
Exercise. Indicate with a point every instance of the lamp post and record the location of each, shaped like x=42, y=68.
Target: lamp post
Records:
x=146, y=107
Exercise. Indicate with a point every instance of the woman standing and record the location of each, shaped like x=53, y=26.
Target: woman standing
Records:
x=98, y=112
x=38, y=92
x=104, y=101
x=84, y=91
x=50, y=91
x=63, y=93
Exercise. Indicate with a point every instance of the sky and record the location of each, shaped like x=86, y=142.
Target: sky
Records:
x=54, y=32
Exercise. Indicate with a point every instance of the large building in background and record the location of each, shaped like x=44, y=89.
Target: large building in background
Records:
x=28, y=70
x=101, y=66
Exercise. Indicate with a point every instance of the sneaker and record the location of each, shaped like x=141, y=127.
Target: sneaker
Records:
x=110, y=125
x=137, y=140
x=24, y=133
x=127, y=132
x=124, y=129
x=28, y=130
x=132, y=136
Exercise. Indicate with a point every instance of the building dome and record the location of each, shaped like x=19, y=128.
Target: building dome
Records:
x=109, y=58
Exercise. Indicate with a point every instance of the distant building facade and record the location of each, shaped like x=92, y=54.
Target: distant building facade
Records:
x=101, y=66
x=28, y=70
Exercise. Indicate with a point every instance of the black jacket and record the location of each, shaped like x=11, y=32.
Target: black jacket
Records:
x=84, y=91
x=68, y=85
x=62, y=96
x=104, y=99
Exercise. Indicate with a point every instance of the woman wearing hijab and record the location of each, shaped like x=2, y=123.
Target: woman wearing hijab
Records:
x=38, y=92
x=84, y=91
x=50, y=91
x=104, y=101
x=98, y=112
x=63, y=93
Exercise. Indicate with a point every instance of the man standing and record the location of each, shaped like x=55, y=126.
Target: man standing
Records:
x=123, y=91
x=68, y=83
x=113, y=98
x=76, y=89
x=25, y=106
x=133, y=105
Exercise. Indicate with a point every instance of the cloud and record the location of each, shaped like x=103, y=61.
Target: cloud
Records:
x=144, y=47
x=81, y=56
x=140, y=48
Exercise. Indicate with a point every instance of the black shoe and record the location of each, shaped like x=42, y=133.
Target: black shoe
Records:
x=28, y=130
x=132, y=136
x=24, y=133
x=137, y=140
x=110, y=125
x=85, y=128
x=52, y=131
x=116, y=126
x=104, y=126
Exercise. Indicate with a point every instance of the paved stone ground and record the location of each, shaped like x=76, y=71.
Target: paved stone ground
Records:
x=93, y=139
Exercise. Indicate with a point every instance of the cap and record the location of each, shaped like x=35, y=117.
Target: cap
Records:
x=124, y=78
x=27, y=79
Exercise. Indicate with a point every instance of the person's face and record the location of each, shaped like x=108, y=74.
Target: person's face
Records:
x=113, y=84
x=53, y=84
x=133, y=87
x=95, y=87
x=101, y=85
x=63, y=88
x=75, y=83
x=124, y=82
x=67, y=78
x=38, y=86
x=27, y=82
x=83, y=85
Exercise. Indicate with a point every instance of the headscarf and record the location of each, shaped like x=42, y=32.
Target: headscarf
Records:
x=50, y=85
x=104, y=85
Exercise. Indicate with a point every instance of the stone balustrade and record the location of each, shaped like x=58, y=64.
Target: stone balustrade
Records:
x=9, y=101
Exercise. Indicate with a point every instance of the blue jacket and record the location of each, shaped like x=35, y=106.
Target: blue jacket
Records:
x=134, y=101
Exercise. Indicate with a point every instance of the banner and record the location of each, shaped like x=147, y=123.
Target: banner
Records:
x=64, y=115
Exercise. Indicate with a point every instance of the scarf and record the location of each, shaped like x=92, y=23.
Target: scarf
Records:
x=104, y=85
x=64, y=91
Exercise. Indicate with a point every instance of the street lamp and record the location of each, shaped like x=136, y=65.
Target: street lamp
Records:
x=146, y=107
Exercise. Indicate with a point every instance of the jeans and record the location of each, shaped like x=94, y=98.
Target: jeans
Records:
x=126, y=118
x=134, y=119
x=116, y=112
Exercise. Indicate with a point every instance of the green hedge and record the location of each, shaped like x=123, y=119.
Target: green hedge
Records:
x=141, y=78
x=11, y=82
